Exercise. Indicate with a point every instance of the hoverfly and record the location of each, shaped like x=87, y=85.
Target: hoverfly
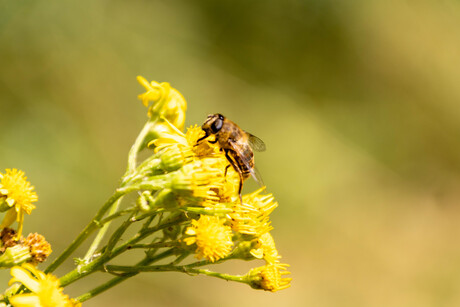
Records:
x=237, y=144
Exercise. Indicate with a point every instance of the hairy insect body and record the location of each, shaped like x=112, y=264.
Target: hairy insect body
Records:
x=237, y=144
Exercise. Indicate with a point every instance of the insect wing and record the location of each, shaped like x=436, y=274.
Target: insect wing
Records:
x=256, y=143
x=252, y=170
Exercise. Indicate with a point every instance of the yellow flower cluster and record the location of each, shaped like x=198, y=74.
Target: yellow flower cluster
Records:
x=202, y=177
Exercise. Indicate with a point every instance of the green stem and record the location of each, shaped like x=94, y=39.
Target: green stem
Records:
x=157, y=183
x=132, y=156
x=155, y=245
x=97, y=263
x=93, y=225
x=118, y=233
x=174, y=219
x=100, y=235
x=117, y=214
x=172, y=268
x=115, y=281
x=132, y=159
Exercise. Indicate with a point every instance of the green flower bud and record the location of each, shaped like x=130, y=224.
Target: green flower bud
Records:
x=243, y=251
x=173, y=159
x=15, y=255
x=143, y=202
x=162, y=199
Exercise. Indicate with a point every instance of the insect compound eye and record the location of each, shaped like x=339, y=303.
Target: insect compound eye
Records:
x=217, y=125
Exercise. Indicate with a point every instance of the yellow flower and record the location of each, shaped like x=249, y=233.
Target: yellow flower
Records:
x=16, y=192
x=45, y=289
x=199, y=179
x=204, y=148
x=270, y=277
x=265, y=249
x=167, y=102
x=252, y=217
x=213, y=239
x=177, y=148
x=186, y=142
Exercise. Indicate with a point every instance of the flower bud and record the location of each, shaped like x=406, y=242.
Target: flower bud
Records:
x=174, y=158
x=269, y=277
x=15, y=255
x=167, y=102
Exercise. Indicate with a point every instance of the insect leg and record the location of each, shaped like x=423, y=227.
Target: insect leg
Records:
x=238, y=170
x=202, y=138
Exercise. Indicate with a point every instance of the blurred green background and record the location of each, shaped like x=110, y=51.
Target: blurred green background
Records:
x=358, y=103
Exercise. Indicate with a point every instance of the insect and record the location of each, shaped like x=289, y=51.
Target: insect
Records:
x=237, y=144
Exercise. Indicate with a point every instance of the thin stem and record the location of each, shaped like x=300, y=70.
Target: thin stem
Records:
x=154, y=245
x=148, y=222
x=115, y=281
x=100, y=235
x=118, y=233
x=174, y=219
x=155, y=183
x=132, y=156
x=180, y=258
x=93, y=225
x=93, y=266
x=132, y=160
x=117, y=214
x=171, y=268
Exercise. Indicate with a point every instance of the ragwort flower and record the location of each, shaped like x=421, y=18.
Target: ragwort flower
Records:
x=17, y=193
x=266, y=249
x=45, y=289
x=252, y=216
x=270, y=277
x=212, y=238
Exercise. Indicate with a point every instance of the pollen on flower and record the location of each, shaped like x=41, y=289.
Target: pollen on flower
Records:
x=45, y=288
x=270, y=277
x=212, y=238
x=204, y=148
x=16, y=192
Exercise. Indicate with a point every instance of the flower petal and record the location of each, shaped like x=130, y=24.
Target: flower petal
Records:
x=23, y=276
x=25, y=300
